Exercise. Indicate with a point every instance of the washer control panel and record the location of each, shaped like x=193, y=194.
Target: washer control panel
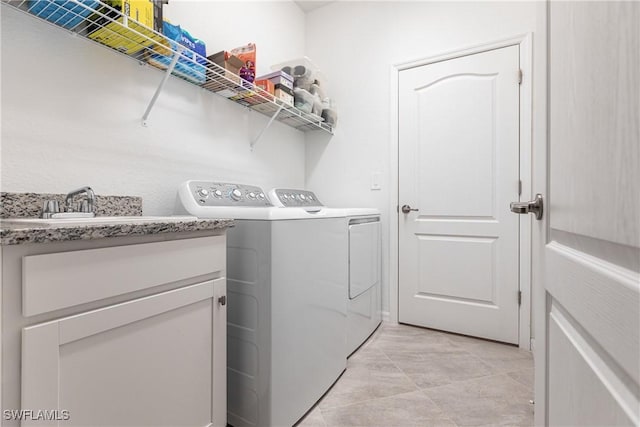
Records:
x=295, y=198
x=208, y=193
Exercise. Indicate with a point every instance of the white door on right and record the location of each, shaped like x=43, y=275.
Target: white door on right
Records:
x=588, y=330
x=458, y=171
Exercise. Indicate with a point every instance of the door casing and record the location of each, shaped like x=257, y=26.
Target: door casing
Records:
x=525, y=42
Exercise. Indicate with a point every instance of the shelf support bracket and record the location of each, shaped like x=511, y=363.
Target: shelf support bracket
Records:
x=172, y=65
x=257, y=138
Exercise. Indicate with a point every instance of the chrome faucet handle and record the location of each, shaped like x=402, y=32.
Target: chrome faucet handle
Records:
x=50, y=207
x=83, y=206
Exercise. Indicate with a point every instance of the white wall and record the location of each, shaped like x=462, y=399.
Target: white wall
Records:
x=71, y=110
x=355, y=44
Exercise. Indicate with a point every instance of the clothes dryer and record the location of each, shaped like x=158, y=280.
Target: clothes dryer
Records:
x=362, y=228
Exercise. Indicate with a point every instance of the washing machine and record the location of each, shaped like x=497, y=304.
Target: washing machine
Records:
x=362, y=229
x=286, y=315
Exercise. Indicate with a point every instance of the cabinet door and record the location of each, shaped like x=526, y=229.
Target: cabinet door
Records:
x=153, y=361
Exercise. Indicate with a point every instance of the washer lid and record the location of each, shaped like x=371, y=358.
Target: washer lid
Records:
x=251, y=213
x=361, y=211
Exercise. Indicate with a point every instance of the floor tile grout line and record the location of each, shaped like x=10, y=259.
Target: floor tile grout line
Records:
x=519, y=371
x=389, y=397
x=462, y=350
x=400, y=369
x=445, y=414
x=375, y=398
x=442, y=410
x=492, y=365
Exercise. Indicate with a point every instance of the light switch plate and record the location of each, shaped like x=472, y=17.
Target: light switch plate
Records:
x=375, y=181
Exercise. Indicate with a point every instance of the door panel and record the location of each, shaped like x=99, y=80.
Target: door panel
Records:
x=447, y=279
x=459, y=166
x=591, y=292
x=459, y=149
x=584, y=390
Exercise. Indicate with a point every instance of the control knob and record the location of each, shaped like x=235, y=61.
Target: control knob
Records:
x=217, y=193
x=203, y=192
x=252, y=195
x=261, y=196
x=236, y=195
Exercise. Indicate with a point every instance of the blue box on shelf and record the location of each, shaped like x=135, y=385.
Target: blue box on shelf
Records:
x=64, y=13
x=191, y=64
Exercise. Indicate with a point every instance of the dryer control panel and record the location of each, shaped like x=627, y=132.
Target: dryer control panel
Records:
x=294, y=198
x=209, y=193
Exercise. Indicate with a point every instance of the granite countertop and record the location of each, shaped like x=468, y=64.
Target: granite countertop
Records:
x=19, y=234
x=26, y=205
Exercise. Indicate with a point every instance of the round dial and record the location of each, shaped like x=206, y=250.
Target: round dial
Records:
x=217, y=193
x=252, y=195
x=303, y=197
x=261, y=196
x=235, y=195
x=203, y=192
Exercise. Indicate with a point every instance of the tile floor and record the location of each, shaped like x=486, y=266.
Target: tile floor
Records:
x=409, y=376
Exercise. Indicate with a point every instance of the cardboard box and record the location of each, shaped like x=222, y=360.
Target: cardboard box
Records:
x=266, y=94
x=231, y=64
x=283, y=95
x=279, y=77
x=126, y=36
x=266, y=86
x=283, y=88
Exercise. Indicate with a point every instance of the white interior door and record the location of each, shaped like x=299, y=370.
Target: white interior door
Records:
x=459, y=170
x=588, y=305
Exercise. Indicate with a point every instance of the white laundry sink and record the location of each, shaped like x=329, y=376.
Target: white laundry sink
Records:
x=98, y=220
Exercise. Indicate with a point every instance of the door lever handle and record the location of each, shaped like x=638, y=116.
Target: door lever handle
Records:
x=406, y=209
x=534, y=206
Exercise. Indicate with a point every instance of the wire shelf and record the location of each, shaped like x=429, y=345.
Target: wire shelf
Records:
x=107, y=26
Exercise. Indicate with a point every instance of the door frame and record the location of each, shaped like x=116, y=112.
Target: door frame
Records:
x=525, y=43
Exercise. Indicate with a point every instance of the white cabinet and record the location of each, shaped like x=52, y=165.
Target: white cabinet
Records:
x=147, y=349
x=146, y=362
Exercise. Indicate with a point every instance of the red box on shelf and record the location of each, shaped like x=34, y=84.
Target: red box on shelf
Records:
x=266, y=85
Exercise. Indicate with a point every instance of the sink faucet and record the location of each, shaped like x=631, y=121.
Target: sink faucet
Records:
x=86, y=205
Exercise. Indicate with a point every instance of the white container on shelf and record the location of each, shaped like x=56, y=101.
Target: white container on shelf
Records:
x=304, y=72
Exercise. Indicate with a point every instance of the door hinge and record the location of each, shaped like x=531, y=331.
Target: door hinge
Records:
x=520, y=188
x=519, y=297
x=520, y=76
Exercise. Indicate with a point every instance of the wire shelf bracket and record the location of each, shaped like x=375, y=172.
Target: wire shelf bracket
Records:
x=257, y=138
x=172, y=65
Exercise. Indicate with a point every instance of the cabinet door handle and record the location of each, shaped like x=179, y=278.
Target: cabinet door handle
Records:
x=222, y=300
